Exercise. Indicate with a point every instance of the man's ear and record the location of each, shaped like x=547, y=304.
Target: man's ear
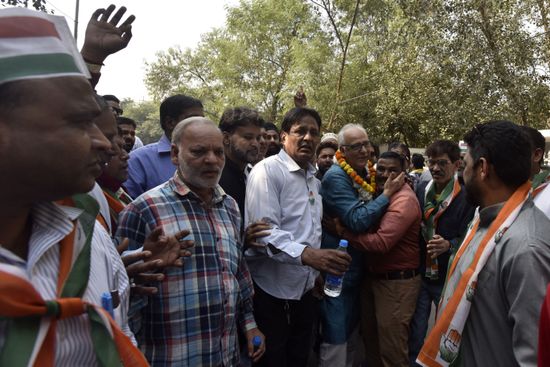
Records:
x=174, y=151
x=538, y=156
x=483, y=168
x=170, y=123
x=226, y=139
x=457, y=164
x=282, y=137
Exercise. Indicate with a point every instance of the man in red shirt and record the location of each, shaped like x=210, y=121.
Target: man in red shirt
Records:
x=392, y=281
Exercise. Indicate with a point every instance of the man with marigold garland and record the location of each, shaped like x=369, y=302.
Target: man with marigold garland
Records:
x=347, y=190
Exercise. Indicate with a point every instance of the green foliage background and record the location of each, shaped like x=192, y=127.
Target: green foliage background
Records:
x=413, y=70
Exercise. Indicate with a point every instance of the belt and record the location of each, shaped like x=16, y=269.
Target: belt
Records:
x=396, y=274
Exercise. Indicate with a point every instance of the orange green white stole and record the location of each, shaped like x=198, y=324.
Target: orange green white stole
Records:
x=433, y=210
x=31, y=334
x=540, y=181
x=442, y=346
x=117, y=202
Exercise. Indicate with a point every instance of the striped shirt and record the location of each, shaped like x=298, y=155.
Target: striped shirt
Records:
x=52, y=223
x=192, y=320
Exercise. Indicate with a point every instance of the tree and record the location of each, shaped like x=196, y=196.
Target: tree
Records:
x=413, y=71
x=146, y=116
x=336, y=19
x=37, y=4
x=266, y=50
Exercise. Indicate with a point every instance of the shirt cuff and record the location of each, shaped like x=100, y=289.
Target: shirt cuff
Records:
x=247, y=317
x=290, y=253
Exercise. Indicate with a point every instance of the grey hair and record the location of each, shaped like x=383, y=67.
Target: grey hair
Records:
x=346, y=127
x=184, y=124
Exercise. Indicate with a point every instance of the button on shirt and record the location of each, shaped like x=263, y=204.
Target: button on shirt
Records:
x=287, y=197
x=52, y=223
x=192, y=320
x=149, y=166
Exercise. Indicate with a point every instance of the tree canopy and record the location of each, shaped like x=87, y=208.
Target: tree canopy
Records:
x=413, y=71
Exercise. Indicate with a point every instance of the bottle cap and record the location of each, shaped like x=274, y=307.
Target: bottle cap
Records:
x=257, y=341
x=343, y=243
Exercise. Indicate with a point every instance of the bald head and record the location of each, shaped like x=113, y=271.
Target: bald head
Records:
x=183, y=125
x=197, y=151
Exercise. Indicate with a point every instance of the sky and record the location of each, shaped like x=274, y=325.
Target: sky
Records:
x=159, y=25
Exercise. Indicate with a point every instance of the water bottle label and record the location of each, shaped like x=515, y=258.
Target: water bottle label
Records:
x=333, y=280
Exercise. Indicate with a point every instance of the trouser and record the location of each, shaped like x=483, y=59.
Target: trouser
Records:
x=429, y=292
x=387, y=309
x=347, y=354
x=287, y=326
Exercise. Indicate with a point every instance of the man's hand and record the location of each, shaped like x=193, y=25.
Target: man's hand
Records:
x=139, y=267
x=103, y=37
x=250, y=334
x=437, y=245
x=393, y=184
x=168, y=249
x=333, y=226
x=318, y=290
x=329, y=261
x=300, y=99
x=159, y=251
x=254, y=231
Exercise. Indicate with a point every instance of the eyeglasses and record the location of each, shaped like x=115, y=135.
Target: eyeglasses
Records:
x=440, y=162
x=358, y=146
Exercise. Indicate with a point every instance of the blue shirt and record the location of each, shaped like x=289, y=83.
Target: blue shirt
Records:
x=149, y=166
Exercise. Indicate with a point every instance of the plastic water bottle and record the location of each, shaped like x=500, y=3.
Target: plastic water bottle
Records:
x=256, y=342
x=333, y=283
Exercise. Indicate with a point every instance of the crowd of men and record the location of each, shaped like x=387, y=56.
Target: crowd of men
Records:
x=211, y=246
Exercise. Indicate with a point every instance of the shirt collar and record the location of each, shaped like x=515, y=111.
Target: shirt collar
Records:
x=292, y=165
x=182, y=189
x=54, y=219
x=164, y=145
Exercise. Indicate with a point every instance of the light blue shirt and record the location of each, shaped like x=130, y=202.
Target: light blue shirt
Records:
x=148, y=167
x=287, y=197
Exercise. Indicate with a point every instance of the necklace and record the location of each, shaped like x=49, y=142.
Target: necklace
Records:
x=368, y=189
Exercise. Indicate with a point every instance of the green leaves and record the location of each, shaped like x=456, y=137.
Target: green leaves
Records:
x=414, y=71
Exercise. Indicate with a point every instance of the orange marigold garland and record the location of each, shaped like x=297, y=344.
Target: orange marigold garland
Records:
x=369, y=188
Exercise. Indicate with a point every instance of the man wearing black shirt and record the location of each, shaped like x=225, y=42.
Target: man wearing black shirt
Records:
x=241, y=128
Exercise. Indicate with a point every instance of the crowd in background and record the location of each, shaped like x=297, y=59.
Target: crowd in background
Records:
x=211, y=247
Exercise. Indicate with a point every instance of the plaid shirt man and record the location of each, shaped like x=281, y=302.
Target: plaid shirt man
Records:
x=192, y=320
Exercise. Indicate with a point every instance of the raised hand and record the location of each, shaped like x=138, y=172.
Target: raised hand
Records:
x=300, y=98
x=104, y=37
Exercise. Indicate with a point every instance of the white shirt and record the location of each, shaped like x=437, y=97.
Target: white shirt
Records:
x=542, y=200
x=52, y=223
x=99, y=196
x=287, y=197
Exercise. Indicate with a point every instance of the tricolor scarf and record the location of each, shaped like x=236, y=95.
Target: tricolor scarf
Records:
x=36, y=45
x=442, y=346
x=433, y=210
x=540, y=181
x=31, y=334
x=117, y=202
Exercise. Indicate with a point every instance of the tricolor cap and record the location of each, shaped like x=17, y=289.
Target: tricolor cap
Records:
x=37, y=45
